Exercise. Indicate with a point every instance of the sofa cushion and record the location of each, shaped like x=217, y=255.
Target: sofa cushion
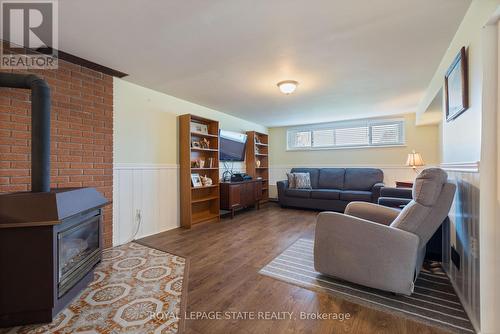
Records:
x=331, y=178
x=291, y=180
x=302, y=181
x=325, y=194
x=313, y=174
x=362, y=178
x=356, y=195
x=302, y=193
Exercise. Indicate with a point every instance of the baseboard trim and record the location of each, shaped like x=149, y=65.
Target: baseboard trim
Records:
x=154, y=233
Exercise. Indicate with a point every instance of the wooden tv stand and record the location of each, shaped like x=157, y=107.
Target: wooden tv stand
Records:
x=238, y=195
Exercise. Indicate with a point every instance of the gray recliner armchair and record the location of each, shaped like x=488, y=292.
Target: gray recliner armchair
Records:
x=382, y=247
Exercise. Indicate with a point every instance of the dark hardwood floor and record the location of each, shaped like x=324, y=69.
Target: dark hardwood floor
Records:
x=223, y=276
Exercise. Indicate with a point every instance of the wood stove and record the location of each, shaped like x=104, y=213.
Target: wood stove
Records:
x=50, y=239
x=79, y=249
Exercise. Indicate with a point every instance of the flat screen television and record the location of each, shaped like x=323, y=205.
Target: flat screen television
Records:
x=232, y=146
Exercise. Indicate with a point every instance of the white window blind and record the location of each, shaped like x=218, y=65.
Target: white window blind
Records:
x=300, y=139
x=323, y=138
x=387, y=134
x=357, y=133
x=358, y=136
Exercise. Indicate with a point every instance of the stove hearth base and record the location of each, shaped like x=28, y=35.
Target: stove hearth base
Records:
x=49, y=245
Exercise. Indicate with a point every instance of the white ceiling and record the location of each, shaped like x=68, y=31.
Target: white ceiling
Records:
x=353, y=58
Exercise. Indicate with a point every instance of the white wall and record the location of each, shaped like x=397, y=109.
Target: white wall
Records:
x=490, y=182
x=462, y=136
x=146, y=170
x=145, y=124
x=467, y=140
x=424, y=139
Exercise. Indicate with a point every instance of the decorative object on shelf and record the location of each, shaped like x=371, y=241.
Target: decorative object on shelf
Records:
x=209, y=163
x=414, y=160
x=456, y=93
x=198, y=127
x=287, y=87
x=195, y=144
x=206, y=181
x=257, y=163
x=205, y=143
x=201, y=163
x=196, y=180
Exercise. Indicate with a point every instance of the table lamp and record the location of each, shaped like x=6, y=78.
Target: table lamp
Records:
x=414, y=160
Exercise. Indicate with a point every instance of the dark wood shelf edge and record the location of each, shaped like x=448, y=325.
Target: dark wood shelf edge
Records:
x=205, y=199
x=199, y=220
x=204, y=149
x=204, y=168
x=199, y=134
x=205, y=187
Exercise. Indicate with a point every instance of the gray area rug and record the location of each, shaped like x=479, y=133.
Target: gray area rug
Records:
x=433, y=302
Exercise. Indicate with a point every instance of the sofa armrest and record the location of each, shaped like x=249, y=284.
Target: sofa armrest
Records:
x=365, y=253
x=372, y=212
x=393, y=202
x=376, y=191
x=396, y=192
x=282, y=186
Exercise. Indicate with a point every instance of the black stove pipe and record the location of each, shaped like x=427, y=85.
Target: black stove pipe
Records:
x=40, y=125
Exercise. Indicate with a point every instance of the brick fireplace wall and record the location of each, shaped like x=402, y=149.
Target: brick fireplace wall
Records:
x=81, y=134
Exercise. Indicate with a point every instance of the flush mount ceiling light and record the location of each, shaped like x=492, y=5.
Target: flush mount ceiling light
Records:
x=288, y=86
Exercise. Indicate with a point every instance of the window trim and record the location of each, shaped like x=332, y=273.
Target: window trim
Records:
x=346, y=124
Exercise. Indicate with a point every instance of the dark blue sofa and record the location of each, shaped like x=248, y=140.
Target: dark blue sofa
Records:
x=333, y=188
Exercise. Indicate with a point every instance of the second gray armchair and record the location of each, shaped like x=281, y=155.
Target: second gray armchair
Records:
x=381, y=247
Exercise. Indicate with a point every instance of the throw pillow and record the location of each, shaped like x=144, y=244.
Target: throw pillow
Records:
x=291, y=180
x=302, y=181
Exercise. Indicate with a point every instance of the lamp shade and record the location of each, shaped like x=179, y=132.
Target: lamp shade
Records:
x=414, y=160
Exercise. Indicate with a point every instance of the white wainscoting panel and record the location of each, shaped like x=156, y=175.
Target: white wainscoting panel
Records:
x=462, y=232
x=152, y=189
x=391, y=174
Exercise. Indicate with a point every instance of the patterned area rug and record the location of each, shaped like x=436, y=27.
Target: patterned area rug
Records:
x=131, y=283
x=433, y=302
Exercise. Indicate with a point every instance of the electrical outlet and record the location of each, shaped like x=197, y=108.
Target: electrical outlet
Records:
x=138, y=215
x=474, y=247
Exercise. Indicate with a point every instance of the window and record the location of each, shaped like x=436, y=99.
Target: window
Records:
x=301, y=139
x=323, y=138
x=358, y=136
x=359, y=133
x=387, y=134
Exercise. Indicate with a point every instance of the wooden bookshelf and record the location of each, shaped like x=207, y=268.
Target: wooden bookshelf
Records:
x=198, y=204
x=258, y=150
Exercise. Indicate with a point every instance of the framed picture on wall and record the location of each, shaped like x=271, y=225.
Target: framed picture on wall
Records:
x=456, y=90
